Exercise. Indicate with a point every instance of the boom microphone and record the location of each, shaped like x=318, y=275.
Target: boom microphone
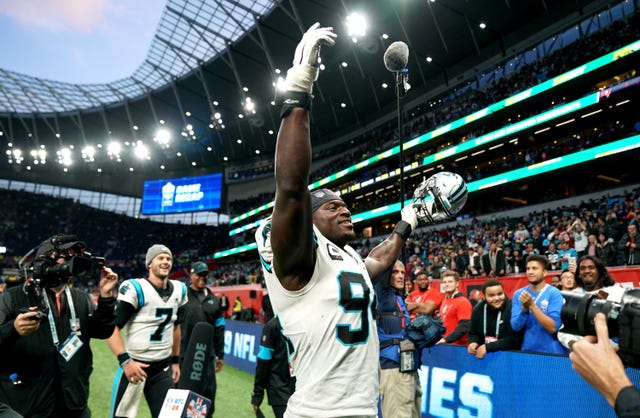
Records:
x=197, y=364
x=396, y=56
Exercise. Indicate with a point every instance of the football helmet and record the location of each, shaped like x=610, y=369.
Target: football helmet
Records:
x=439, y=197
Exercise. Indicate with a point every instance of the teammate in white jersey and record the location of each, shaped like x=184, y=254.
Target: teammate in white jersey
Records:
x=147, y=312
x=319, y=286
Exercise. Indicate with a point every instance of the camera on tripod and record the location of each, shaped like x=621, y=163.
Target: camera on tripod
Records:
x=56, y=260
x=622, y=315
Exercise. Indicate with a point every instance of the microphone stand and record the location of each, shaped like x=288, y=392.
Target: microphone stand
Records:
x=400, y=91
x=400, y=80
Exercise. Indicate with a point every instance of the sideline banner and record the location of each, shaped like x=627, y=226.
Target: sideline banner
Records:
x=456, y=384
x=506, y=384
x=241, y=343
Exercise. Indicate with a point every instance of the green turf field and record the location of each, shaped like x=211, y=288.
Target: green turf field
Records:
x=233, y=397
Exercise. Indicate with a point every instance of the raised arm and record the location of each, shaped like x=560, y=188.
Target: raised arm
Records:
x=437, y=198
x=291, y=224
x=386, y=253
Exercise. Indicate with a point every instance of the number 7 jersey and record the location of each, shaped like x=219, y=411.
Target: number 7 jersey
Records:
x=149, y=331
x=330, y=325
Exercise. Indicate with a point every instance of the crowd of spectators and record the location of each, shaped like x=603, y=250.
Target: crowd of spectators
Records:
x=26, y=219
x=519, y=154
x=568, y=228
x=603, y=227
x=123, y=240
x=464, y=101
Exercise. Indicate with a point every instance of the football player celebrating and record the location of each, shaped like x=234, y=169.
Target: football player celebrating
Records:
x=147, y=310
x=319, y=286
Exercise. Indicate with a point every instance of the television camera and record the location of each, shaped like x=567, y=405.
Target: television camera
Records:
x=621, y=311
x=56, y=260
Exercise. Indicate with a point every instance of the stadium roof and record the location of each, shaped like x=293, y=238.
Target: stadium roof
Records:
x=184, y=110
x=189, y=34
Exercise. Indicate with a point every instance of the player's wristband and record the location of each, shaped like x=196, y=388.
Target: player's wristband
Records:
x=124, y=358
x=291, y=99
x=175, y=359
x=403, y=228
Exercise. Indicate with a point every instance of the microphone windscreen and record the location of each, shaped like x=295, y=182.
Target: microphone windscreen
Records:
x=396, y=56
x=197, y=363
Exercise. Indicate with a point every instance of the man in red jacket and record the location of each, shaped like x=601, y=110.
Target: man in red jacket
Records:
x=455, y=311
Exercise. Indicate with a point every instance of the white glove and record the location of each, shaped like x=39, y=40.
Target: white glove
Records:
x=408, y=214
x=306, y=59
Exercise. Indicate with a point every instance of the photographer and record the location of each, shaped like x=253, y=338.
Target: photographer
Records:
x=596, y=362
x=45, y=328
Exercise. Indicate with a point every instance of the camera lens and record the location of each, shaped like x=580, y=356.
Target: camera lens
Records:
x=579, y=311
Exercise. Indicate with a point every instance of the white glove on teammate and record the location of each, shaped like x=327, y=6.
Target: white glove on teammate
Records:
x=306, y=59
x=408, y=214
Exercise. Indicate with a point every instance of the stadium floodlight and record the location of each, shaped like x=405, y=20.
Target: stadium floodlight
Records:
x=163, y=137
x=141, y=151
x=249, y=105
x=64, y=157
x=88, y=153
x=41, y=156
x=113, y=149
x=15, y=156
x=356, y=26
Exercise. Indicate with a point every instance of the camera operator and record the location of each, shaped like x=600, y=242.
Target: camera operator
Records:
x=45, y=328
x=597, y=363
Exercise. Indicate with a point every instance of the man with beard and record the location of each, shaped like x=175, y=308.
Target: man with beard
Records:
x=536, y=310
x=592, y=274
x=425, y=299
x=592, y=277
x=319, y=285
x=490, y=329
x=147, y=310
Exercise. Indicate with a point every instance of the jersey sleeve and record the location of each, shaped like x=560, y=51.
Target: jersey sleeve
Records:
x=263, y=241
x=131, y=292
x=185, y=296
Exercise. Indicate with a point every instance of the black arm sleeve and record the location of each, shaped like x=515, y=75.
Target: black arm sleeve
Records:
x=475, y=327
x=510, y=342
x=101, y=322
x=124, y=312
x=260, y=383
x=628, y=403
x=263, y=365
x=461, y=329
x=8, y=334
x=218, y=339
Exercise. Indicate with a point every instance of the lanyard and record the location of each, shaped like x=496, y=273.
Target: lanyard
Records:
x=540, y=294
x=403, y=309
x=75, y=325
x=484, y=324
